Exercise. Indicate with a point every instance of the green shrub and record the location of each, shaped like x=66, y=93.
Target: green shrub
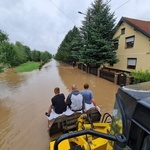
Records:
x=41, y=65
x=141, y=76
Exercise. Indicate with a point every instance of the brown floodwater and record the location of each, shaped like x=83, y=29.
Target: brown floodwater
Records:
x=24, y=98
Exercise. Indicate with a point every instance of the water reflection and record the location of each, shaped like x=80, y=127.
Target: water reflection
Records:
x=103, y=90
x=10, y=82
x=25, y=97
x=5, y=118
x=12, y=78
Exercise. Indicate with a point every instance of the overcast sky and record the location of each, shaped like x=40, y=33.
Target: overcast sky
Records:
x=43, y=24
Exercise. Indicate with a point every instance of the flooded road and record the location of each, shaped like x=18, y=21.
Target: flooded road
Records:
x=25, y=97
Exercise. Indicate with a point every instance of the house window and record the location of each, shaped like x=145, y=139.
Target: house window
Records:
x=131, y=63
x=130, y=41
x=123, y=31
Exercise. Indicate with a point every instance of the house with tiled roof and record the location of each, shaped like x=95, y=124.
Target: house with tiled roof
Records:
x=133, y=45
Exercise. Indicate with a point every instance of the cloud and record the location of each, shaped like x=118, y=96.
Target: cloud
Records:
x=39, y=24
x=43, y=24
x=136, y=9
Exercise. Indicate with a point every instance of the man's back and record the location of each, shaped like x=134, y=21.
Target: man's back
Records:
x=75, y=100
x=58, y=102
x=88, y=96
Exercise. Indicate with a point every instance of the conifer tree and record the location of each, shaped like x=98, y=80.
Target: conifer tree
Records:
x=76, y=44
x=97, y=32
x=64, y=50
x=68, y=50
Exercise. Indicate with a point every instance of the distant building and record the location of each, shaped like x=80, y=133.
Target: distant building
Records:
x=132, y=39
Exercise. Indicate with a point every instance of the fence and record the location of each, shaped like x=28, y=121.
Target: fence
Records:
x=114, y=76
x=93, y=71
x=107, y=75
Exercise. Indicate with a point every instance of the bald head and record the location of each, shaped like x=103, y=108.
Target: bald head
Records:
x=74, y=87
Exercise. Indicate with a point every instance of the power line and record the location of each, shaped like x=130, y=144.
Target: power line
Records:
x=108, y=2
x=62, y=12
x=75, y=22
x=122, y=5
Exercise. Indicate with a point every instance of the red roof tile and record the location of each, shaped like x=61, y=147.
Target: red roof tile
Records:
x=140, y=25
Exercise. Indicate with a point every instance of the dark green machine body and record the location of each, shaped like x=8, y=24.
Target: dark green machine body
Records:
x=133, y=109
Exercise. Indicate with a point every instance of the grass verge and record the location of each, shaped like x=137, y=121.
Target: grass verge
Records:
x=27, y=67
